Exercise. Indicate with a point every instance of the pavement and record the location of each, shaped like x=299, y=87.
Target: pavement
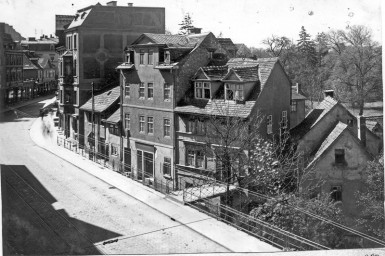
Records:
x=228, y=237
x=26, y=103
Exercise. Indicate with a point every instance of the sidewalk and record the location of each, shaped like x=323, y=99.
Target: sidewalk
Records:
x=226, y=235
x=28, y=102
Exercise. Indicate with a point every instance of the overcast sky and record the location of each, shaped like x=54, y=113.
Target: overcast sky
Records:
x=244, y=21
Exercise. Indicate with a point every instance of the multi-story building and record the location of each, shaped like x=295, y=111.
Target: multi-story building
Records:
x=155, y=77
x=251, y=92
x=95, y=41
x=11, y=65
x=44, y=47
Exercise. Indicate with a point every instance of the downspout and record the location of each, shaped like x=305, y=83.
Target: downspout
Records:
x=175, y=181
x=121, y=158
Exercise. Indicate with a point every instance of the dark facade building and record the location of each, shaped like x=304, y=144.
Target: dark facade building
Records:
x=297, y=111
x=244, y=90
x=95, y=41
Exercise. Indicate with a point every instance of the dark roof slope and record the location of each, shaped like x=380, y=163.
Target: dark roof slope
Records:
x=103, y=100
x=218, y=107
x=248, y=73
x=215, y=72
x=313, y=117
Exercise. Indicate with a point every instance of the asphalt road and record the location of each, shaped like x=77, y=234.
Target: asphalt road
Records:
x=52, y=207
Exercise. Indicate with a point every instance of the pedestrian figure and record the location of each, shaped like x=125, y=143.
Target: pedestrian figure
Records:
x=17, y=116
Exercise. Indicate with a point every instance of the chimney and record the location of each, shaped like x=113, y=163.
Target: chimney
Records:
x=329, y=93
x=194, y=30
x=111, y=3
x=361, y=127
x=31, y=39
x=129, y=4
x=298, y=88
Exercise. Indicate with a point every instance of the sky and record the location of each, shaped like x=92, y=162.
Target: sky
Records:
x=244, y=21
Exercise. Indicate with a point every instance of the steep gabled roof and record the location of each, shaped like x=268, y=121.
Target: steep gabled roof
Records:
x=248, y=73
x=115, y=117
x=215, y=72
x=313, y=117
x=173, y=41
x=103, y=100
x=266, y=65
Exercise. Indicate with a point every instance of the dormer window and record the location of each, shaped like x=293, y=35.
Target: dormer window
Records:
x=202, y=90
x=167, y=57
x=234, y=92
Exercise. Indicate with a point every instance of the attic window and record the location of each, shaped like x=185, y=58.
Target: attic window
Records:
x=339, y=155
x=234, y=92
x=83, y=14
x=336, y=193
x=109, y=93
x=76, y=16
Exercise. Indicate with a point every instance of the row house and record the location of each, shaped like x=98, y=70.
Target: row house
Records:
x=94, y=44
x=336, y=146
x=155, y=77
x=96, y=112
x=243, y=90
x=44, y=47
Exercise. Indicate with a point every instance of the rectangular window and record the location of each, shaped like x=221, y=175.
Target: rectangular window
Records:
x=167, y=57
x=167, y=127
x=293, y=106
x=127, y=121
x=191, y=126
x=234, y=92
x=350, y=122
x=141, y=90
x=167, y=91
x=167, y=166
x=140, y=161
x=150, y=60
x=150, y=125
x=141, y=123
x=201, y=127
x=195, y=158
x=339, y=156
x=127, y=90
x=284, y=119
x=75, y=41
x=150, y=91
x=336, y=193
x=114, y=150
x=141, y=57
x=269, y=124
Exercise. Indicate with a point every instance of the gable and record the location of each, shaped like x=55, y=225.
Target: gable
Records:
x=143, y=39
x=231, y=76
x=200, y=75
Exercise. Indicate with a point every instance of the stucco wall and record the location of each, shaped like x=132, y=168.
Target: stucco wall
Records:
x=348, y=176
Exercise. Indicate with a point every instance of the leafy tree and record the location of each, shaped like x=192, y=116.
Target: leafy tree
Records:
x=279, y=46
x=186, y=24
x=358, y=72
x=371, y=199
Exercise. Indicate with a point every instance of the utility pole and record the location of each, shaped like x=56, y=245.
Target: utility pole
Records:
x=92, y=121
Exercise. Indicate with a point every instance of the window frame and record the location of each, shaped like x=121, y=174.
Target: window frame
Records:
x=127, y=120
x=166, y=88
x=166, y=127
x=150, y=125
x=152, y=91
x=142, y=90
x=141, y=57
x=200, y=90
x=167, y=166
x=193, y=156
x=127, y=90
x=339, y=156
x=293, y=106
x=284, y=119
x=336, y=193
x=150, y=57
x=114, y=150
x=141, y=124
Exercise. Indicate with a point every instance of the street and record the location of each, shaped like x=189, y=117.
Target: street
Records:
x=51, y=206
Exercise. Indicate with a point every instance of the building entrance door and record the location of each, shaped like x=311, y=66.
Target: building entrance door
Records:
x=145, y=164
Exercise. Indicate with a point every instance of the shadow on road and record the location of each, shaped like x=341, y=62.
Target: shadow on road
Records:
x=31, y=225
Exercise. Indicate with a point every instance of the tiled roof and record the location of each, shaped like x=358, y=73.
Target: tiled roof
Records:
x=333, y=135
x=296, y=96
x=313, y=117
x=103, y=100
x=241, y=62
x=45, y=63
x=226, y=43
x=266, y=65
x=115, y=117
x=248, y=73
x=219, y=108
x=215, y=72
x=176, y=40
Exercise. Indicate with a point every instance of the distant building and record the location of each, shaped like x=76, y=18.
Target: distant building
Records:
x=11, y=66
x=297, y=111
x=95, y=40
x=44, y=47
x=229, y=46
